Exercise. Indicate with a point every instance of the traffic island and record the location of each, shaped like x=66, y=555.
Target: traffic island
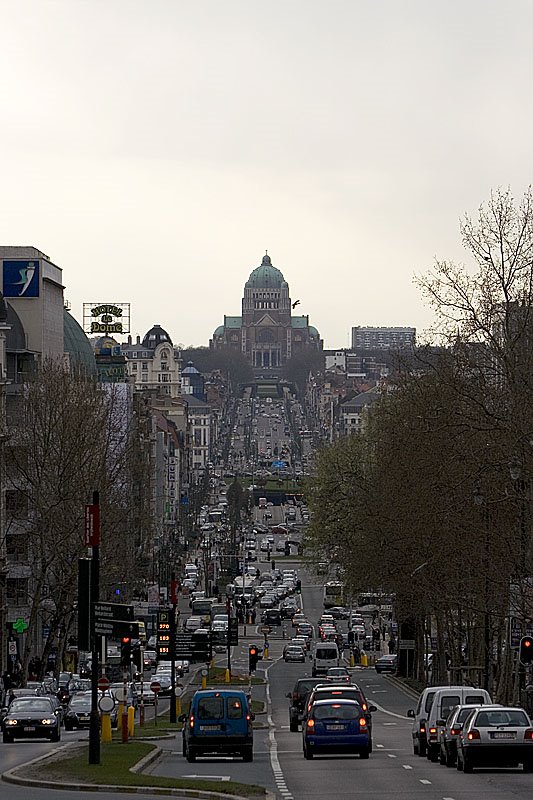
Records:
x=68, y=768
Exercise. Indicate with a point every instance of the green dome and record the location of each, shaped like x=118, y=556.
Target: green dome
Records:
x=313, y=331
x=77, y=345
x=266, y=276
x=219, y=331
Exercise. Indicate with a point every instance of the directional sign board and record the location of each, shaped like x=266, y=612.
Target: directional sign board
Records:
x=184, y=646
x=115, y=620
x=233, y=631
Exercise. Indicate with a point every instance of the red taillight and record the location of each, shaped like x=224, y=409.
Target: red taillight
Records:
x=191, y=722
x=295, y=697
x=422, y=729
x=310, y=723
x=362, y=722
x=433, y=730
x=528, y=734
x=248, y=717
x=365, y=707
x=473, y=734
x=455, y=731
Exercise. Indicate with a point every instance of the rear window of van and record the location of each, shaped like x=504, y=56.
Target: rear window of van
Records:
x=211, y=708
x=326, y=652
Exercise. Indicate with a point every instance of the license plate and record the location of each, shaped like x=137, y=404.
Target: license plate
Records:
x=29, y=728
x=210, y=727
x=335, y=727
x=503, y=735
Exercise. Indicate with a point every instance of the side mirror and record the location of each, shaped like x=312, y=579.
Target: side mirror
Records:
x=182, y=718
x=4, y=709
x=371, y=709
x=310, y=656
x=56, y=711
x=252, y=715
x=289, y=695
x=440, y=723
x=411, y=713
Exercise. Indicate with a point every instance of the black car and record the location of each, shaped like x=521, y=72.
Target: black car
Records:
x=272, y=616
x=31, y=718
x=298, y=698
x=387, y=663
x=78, y=714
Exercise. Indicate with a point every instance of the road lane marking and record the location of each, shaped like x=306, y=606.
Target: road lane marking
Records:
x=407, y=766
x=210, y=777
x=390, y=713
x=425, y=782
x=389, y=723
x=391, y=755
x=380, y=745
x=273, y=752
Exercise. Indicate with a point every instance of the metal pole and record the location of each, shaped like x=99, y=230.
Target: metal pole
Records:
x=94, y=538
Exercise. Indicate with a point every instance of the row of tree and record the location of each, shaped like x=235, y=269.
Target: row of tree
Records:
x=433, y=501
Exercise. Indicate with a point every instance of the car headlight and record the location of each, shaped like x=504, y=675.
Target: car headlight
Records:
x=10, y=721
x=48, y=721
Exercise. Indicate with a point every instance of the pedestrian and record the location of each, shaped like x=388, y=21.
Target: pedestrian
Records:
x=392, y=645
x=356, y=654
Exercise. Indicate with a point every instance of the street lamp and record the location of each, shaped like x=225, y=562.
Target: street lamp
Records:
x=479, y=501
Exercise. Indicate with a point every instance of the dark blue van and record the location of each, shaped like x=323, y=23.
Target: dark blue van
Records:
x=219, y=722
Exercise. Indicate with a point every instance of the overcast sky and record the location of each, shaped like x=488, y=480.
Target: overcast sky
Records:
x=154, y=149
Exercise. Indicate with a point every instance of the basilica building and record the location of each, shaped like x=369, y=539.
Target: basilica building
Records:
x=267, y=332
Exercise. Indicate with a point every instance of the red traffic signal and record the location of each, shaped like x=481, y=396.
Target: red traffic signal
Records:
x=526, y=650
x=253, y=657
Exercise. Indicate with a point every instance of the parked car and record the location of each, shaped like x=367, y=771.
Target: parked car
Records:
x=496, y=736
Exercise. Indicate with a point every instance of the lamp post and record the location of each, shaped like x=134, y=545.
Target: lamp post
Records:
x=480, y=502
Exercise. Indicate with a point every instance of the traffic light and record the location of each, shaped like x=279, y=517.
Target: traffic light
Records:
x=253, y=657
x=125, y=651
x=299, y=586
x=526, y=650
x=136, y=657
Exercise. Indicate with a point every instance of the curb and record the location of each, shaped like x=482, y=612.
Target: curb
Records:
x=412, y=693
x=11, y=777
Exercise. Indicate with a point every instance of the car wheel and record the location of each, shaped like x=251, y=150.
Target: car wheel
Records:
x=422, y=749
x=293, y=725
x=415, y=747
x=307, y=753
x=183, y=748
x=248, y=754
x=459, y=763
x=364, y=753
x=68, y=727
x=433, y=754
x=528, y=766
x=467, y=765
x=450, y=759
x=190, y=755
x=7, y=739
x=442, y=756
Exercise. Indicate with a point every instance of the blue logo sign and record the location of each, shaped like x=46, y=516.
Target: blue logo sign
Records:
x=21, y=279
x=279, y=464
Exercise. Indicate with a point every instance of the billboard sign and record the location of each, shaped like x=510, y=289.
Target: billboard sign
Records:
x=21, y=279
x=106, y=318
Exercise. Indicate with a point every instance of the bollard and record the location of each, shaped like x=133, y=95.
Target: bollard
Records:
x=131, y=721
x=106, y=731
x=364, y=660
x=120, y=711
x=204, y=682
x=178, y=707
x=227, y=676
x=265, y=651
x=352, y=660
x=124, y=727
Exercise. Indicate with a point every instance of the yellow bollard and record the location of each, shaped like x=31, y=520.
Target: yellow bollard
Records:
x=131, y=721
x=227, y=677
x=364, y=660
x=352, y=660
x=120, y=712
x=204, y=682
x=265, y=652
x=106, y=729
x=178, y=707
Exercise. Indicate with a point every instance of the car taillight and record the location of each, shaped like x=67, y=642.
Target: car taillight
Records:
x=432, y=731
x=191, y=722
x=248, y=718
x=310, y=723
x=362, y=722
x=455, y=731
x=422, y=729
x=365, y=707
x=528, y=734
x=473, y=734
x=295, y=697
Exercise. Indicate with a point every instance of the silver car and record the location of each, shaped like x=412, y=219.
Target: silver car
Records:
x=496, y=736
x=450, y=733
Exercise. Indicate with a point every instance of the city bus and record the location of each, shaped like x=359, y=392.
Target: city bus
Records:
x=333, y=594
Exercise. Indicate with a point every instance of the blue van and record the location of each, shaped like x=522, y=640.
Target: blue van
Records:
x=219, y=722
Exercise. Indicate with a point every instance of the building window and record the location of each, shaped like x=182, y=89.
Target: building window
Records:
x=164, y=366
x=16, y=504
x=17, y=546
x=17, y=591
x=165, y=378
x=145, y=366
x=134, y=367
x=145, y=377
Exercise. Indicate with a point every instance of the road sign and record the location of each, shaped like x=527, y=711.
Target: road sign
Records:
x=12, y=648
x=103, y=683
x=106, y=704
x=233, y=631
x=265, y=628
x=155, y=686
x=184, y=646
x=407, y=644
x=116, y=629
x=120, y=694
x=114, y=611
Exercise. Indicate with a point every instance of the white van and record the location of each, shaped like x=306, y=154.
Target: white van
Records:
x=444, y=700
x=325, y=655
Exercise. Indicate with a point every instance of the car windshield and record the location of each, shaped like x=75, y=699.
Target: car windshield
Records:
x=463, y=714
x=493, y=719
x=29, y=704
x=80, y=701
x=336, y=711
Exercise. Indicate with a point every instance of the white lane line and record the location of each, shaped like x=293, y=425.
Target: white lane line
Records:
x=448, y=798
x=380, y=745
x=407, y=766
x=390, y=723
x=390, y=713
x=425, y=782
x=273, y=751
x=391, y=755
